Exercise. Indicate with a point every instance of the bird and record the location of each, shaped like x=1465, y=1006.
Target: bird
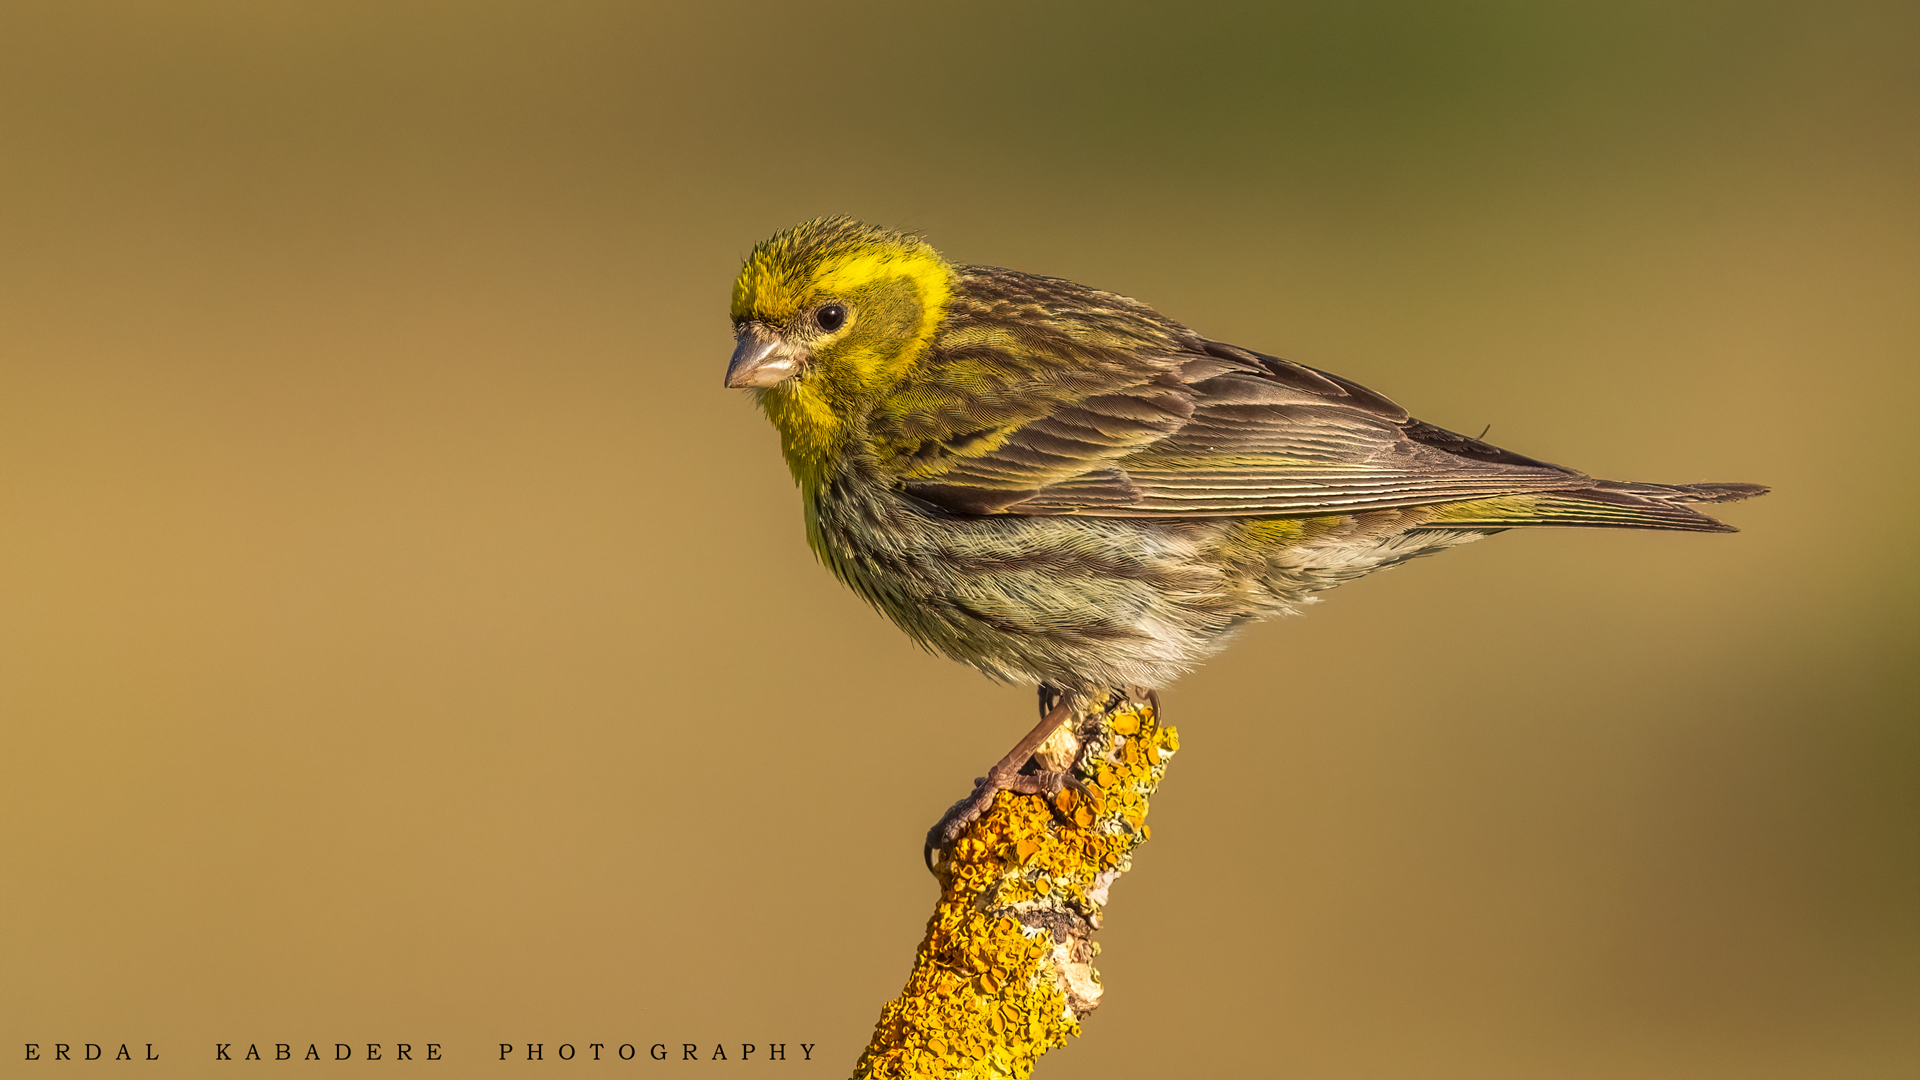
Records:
x=1061, y=486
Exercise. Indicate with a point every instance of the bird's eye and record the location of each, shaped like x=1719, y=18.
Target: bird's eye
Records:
x=831, y=317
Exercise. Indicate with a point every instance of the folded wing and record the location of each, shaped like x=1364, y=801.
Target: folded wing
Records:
x=1229, y=432
x=1044, y=397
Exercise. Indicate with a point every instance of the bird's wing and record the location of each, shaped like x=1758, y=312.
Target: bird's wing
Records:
x=1147, y=420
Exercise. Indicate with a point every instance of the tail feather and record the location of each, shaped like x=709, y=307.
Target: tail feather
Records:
x=1700, y=493
x=1606, y=504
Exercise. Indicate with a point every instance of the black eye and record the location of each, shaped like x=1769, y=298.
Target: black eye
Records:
x=831, y=317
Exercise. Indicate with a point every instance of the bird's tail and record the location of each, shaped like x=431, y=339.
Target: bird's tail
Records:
x=1603, y=504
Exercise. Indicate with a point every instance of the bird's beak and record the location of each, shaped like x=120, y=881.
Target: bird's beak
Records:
x=760, y=358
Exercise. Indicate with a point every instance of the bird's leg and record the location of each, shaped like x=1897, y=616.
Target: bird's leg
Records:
x=1004, y=776
x=1050, y=696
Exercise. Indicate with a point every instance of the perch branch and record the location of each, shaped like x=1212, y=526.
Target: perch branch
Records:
x=1005, y=972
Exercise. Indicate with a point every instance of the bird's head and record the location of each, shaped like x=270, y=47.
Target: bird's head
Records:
x=827, y=317
x=843, y=307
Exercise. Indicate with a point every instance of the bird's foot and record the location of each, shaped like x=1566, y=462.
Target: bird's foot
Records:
x=1047, y=783
x=959, y=816
x=968, y=810
x=1008, y=774
x=1036, y=766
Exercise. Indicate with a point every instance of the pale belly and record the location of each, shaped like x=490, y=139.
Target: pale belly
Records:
x=1086, y=603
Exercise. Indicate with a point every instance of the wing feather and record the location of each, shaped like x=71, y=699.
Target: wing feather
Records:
x=1108, y=409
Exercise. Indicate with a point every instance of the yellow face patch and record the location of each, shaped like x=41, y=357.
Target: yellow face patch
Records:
x=896, y=288
x=820, y=259
x=762, y=292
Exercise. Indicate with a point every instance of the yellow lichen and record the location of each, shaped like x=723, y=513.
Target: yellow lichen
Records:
x=988, y=994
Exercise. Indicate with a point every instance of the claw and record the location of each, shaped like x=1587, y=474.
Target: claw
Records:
x=958, y=816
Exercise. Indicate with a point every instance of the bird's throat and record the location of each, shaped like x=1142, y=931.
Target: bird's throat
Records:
x=812, y=435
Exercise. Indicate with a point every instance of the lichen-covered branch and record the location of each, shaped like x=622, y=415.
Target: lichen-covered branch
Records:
x=1005, y=972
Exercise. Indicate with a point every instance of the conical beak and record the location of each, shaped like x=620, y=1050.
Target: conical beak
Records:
x=760, y=358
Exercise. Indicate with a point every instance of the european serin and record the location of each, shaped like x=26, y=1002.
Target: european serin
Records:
x=1062, y=486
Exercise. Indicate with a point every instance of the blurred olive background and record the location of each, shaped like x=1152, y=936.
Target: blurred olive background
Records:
x=408, y=639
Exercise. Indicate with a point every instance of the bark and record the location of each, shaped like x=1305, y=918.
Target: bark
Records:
x=1005, y=972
